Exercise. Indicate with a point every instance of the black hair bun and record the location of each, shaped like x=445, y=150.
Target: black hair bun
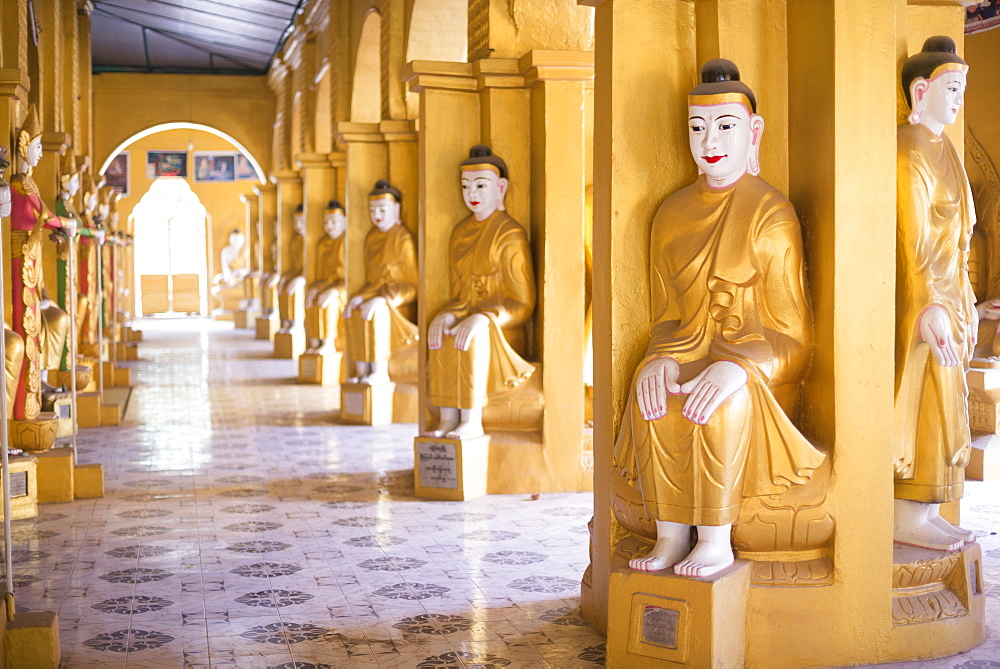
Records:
x=718, y=70
x=939, y=43
x=334, y=204
x=382, y=184
x=480, y=151
x=299, y=209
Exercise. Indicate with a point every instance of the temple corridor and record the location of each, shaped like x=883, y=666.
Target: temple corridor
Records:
x=242, y=527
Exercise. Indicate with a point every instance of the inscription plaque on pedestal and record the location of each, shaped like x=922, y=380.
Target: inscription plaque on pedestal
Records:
x=437, y=465
x=659, y=626
x=354, y=403
x=975, y=586
x=308, y=367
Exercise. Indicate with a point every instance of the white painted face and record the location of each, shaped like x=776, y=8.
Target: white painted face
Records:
x=299, y=223
x=483, y=192
x=73, y=185
x=236, y=239
x=384, y=213
x=944, y=96
x=722, y=139
x=334, y=223
x=34, y=152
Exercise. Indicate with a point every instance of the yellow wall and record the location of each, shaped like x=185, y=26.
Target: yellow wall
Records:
x=222, y=200
x=242, y=107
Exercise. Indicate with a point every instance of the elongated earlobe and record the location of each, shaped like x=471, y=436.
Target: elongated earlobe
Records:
x=757, y=131
x=502, y=187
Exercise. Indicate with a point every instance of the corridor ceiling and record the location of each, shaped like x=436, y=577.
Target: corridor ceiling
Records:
x=189, y=36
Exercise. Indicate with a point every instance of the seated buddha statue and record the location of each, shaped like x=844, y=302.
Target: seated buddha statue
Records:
x=373, y=319
x=227, y=285
x=325, y=295
x=293, y=279
x=471, y=342
x=706, y=425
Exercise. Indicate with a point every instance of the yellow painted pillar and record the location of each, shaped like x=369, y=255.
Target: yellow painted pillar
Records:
x=557, y=82
x=267, y=212
x=318, y=187
x=401, y=158
x=289, y=182
x=449, y=126
x=83, y=140
x=366, y=163
x=641, y=156
x=252, y=209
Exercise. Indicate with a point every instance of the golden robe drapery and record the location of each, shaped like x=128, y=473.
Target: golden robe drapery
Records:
x=935, y=217
x=325, y=322
x=726, y=283
x=390, y=272
x=491, y=274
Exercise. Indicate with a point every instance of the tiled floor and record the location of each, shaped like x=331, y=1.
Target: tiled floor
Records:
x=242, y=529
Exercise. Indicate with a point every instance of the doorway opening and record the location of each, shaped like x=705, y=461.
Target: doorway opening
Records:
x=171, y=250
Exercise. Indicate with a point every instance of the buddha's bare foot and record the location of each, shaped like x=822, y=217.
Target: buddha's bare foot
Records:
x=953, y=531
x=466, y=431
x=927, y=535
x=665, y=554
x=707, y=558
x=447, y=423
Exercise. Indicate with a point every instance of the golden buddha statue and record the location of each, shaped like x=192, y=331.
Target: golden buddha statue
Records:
x=109, y=197
x=13, y=343
x=707, y=424
x=325, y=295
x=269, y=281
x=937, y=318
x=28, y=219
x=293, y=279
x=227, y=285
x=373, y=319
x=472, y=343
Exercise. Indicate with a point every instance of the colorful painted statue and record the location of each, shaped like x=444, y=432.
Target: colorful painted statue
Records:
x=87, y=304
x=13, y=343
x=293, y=279
x=325, y=297
x=28, y=219
x=936, y=313
x=373, y=319
x=707, y=424
x=473, y=342
x=56, y=355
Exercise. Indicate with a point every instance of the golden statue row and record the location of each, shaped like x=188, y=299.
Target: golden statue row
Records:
x=711, y=419
x=37, y=343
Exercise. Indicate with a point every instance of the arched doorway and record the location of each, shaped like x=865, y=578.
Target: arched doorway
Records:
x=171, y=249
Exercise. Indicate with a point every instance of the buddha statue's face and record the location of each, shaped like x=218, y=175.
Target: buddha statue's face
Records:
x=938, y=100
x=723, y=138
x=384, y=212
x=236, y=239
x=483, y=192
x=334, y=223
x=299, y=223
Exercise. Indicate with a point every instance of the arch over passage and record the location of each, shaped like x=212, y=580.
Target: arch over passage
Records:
x=366, y=85
x=185, y=126
x=438, y=31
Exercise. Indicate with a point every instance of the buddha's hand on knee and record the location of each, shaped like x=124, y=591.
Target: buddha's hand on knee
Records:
x=468, y=328
x=655, y=380
x=711, y=388
x=324, y=298
x=369, y=308
x=352, y=305
x=435, y=332
x=934, y=327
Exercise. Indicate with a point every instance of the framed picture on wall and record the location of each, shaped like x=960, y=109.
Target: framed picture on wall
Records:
x=982, y=16
x=244, y=170
x=116, y=174
x=214, y=166
x=166, y=164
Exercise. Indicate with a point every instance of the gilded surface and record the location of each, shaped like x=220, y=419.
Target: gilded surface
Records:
x=922, y=590
x=13, y=357
x=324, y=322
x=726, y=283
x=934, y=228
x=29, y=217
x=390, y=272
x=491, y=274
x=286, y=305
